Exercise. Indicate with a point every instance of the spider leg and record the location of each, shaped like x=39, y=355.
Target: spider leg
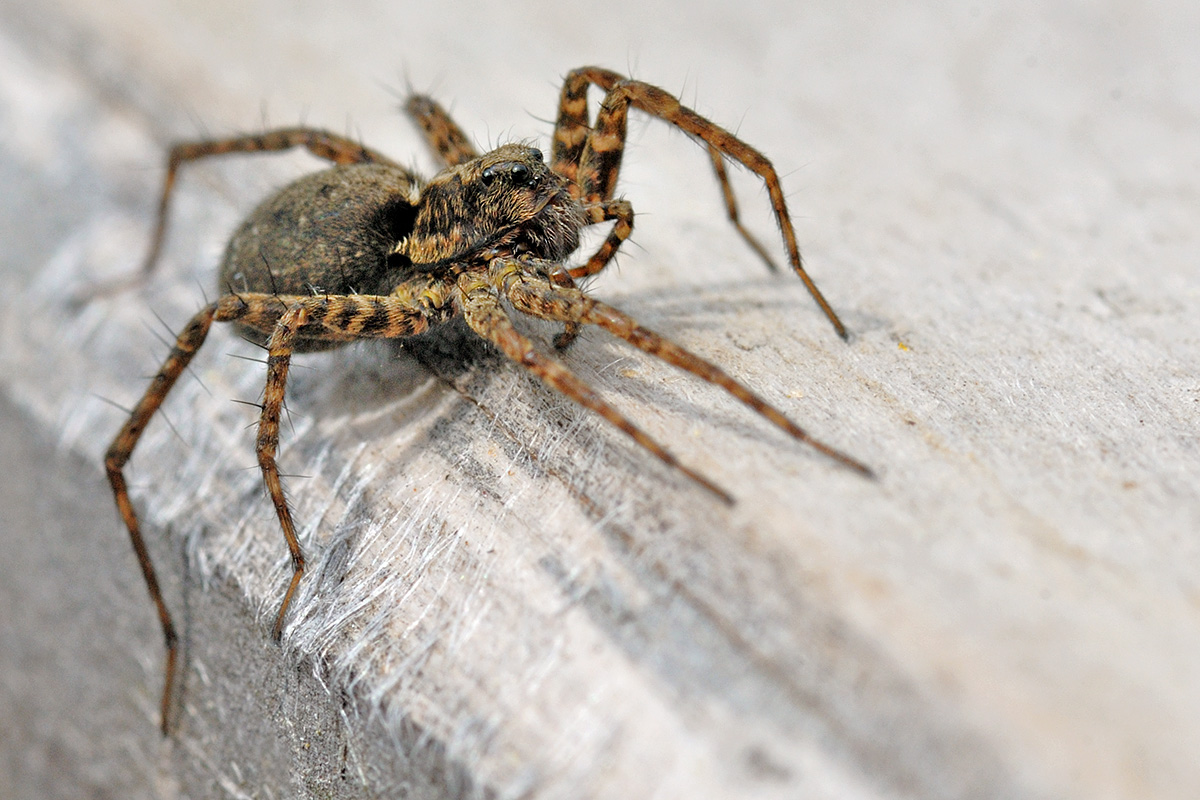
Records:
x=480, y=306
x=595, y=153
x=601, y=211
x=322, y=144
x=559, y=275
x=332, y=317
x=337, y=318
x=279, y=356
x=539, y=297
x=186, y=345
x=570, y=333
x=444, y=136
x=622, y=212
x=731, y=208
x=571, y=130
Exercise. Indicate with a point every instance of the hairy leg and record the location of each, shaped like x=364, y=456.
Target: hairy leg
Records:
x=622, y=212
x=186, y=344
x=445, y=137
x=322, y=144
x=591, y=155
x=731, y=208
x=279, y=356
x=329, y=317
x=336, y=318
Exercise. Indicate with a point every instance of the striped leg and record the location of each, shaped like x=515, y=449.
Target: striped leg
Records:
x=266, y=445
x=731, y=208
x=443, y=135
x=336, y=318
x=186, y=345
x=622, y=212
x=330, y=317
x=322, y=144
x=597, y=151
x=571, y=129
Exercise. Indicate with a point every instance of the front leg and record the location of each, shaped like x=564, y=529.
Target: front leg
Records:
x=279, y=356
x=595, y=153
x=622, y=212
x=336, y=318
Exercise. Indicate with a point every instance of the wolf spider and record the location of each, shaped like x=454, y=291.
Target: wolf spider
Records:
x=366, y=249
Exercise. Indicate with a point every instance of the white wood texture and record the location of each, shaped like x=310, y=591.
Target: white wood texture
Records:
x=507, y=598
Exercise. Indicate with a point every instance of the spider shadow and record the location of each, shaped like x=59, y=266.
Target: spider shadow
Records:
x=459, y=358
x=717, y=313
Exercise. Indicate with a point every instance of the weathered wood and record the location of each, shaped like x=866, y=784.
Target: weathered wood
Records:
x=505, y=596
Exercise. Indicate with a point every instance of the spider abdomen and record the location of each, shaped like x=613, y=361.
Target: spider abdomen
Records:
x=330, y=232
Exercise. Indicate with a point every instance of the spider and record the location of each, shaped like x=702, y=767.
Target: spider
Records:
x=366, y=249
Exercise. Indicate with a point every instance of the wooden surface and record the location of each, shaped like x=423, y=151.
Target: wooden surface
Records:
x=506, y=598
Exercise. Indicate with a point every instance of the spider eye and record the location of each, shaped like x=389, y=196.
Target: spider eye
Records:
x=536, y=154
x=520, y=175
x=515, y=173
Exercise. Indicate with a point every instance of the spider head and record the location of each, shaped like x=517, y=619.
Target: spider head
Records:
x=506, y=200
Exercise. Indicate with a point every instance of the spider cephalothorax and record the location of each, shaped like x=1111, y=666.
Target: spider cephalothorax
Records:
x=506, y=201
x=367, y=249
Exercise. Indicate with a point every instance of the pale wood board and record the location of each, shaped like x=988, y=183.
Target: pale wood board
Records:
x=507, y=598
